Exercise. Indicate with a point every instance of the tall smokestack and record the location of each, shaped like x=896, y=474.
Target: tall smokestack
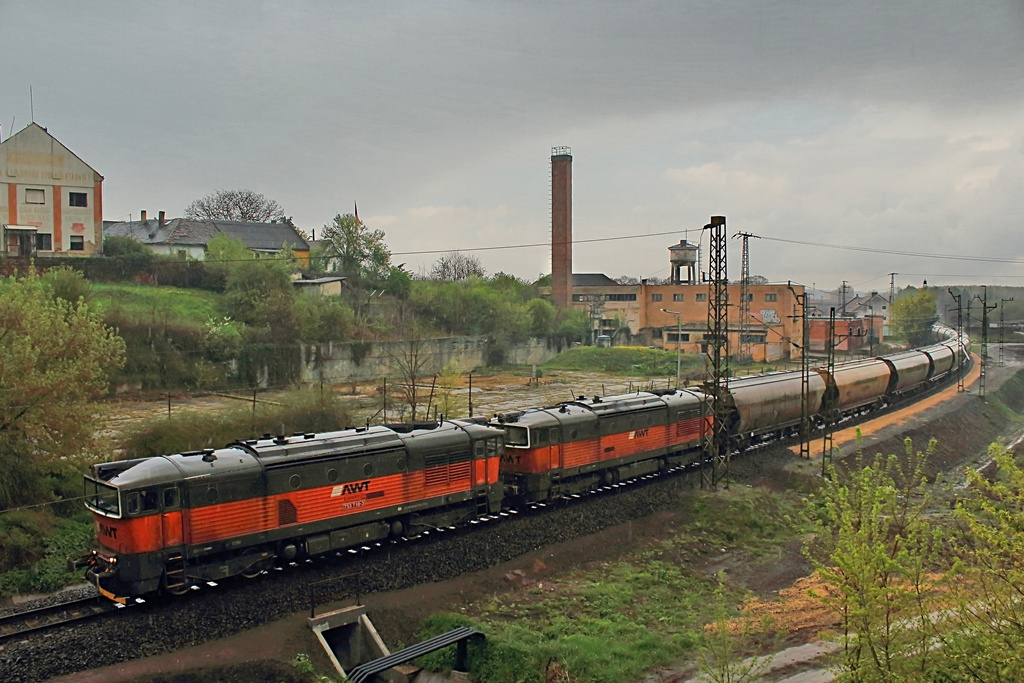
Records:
x=561, y=226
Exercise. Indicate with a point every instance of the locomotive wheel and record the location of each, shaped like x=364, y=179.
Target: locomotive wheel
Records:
x=255, y=570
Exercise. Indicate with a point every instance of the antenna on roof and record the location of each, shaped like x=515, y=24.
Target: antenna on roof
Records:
x=31, y=104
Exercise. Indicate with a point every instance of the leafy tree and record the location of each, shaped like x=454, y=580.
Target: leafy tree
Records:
x=456, y=266
x=355, y=251
x=912, y=315
x=874, y=549
x=542, y=317
x=987, y=641
x=54, y=357
x=235, y=205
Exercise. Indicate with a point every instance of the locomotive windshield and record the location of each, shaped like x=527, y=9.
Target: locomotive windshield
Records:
x=516, y=437
x=101, y=498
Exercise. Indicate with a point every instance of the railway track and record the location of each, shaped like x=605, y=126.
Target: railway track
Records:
x=40, y=618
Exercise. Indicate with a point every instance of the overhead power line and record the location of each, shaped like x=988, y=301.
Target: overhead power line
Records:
x=898, y=252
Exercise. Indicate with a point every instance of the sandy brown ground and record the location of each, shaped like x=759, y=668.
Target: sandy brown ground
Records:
x=393, y=613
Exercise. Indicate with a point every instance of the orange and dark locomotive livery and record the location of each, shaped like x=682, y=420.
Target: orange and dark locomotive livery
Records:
x=168, y=522
x=575, y=446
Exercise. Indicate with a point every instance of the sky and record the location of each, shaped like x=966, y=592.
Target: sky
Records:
x=896, y=128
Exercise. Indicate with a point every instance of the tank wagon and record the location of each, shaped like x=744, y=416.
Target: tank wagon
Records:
x=166, y=523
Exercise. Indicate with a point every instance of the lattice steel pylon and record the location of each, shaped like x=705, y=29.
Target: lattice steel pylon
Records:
x=805, y=373
x=1002, y=322
x=715, y=441
x=745, y=352
x=829, y=413
x=985, y=308
x=961, y=357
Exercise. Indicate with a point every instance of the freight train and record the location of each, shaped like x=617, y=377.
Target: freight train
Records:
x=168, y=523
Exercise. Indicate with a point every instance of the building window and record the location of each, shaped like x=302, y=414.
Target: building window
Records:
x=77, y=243
x=673, y=336
x=678, y=297
x=33, y=196
x=655, y=297
x=620, y=297
x=578, y=297
x=883, y=308
x=44, y=242
x=78, y=199
x=771, y=297
x=747, y=297
x=702, y=297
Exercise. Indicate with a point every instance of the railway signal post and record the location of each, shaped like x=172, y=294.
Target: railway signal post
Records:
x=805, y=375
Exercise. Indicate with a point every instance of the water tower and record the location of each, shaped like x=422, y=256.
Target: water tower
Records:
x=684, y=255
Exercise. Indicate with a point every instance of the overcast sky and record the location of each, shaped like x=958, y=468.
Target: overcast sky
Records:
x=889, y=125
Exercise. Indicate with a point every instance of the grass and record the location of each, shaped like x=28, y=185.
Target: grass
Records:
x=628, y=360
x=70, y=539
x=145, y=303
x=614, y=623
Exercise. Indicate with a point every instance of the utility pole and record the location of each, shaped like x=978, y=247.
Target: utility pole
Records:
x=892, y=287
x=745, y=295
x=805, y=374
x=960, y=341
x=1002, y=321
x=714, y=437
x=842, y=300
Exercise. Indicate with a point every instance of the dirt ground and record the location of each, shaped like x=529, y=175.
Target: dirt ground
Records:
x=779, y=582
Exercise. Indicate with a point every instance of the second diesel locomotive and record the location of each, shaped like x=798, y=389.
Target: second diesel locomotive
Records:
x=166, y=523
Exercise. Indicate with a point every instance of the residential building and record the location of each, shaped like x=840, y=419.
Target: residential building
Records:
x=51, y=202
x=188, y=237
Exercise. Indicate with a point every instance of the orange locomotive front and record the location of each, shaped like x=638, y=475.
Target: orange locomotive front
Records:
x=168, y=522
x=581, y=444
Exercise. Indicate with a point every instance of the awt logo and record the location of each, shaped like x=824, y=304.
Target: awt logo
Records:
x=354, y=487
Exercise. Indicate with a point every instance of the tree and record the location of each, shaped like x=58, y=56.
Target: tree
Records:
x=986, y=642
x=874, y=550
x=235, y=205
x=456, y=266
x=54, y=359
x=355, y=251
x=912, y=315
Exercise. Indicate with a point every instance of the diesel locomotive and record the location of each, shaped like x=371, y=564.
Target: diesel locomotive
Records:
x=164, y=524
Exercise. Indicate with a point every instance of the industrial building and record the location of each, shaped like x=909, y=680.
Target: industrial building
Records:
x=51, y=202
x=671, y=316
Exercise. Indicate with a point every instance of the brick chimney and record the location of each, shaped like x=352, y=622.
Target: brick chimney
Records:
x=143, y=217
x=561, y=226
x=160, y=218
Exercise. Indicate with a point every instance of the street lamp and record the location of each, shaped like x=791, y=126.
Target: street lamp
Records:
x=679, y=342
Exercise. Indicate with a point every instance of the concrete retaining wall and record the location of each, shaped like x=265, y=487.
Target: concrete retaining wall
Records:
x=337, y=362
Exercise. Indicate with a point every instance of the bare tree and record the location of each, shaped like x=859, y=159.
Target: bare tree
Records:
x=236, y=205
x=627, y=280
x=456, y=266
x=411, y=359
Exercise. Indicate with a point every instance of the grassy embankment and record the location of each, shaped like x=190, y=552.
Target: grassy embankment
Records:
x=647, y=609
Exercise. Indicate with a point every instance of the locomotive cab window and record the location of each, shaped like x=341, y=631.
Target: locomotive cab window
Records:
x=553, y=435
x=171, y=500
x=150, y=500
x=102, y=498
x=478, y=449
x=540, y=437
x=492, y=447
x=516, y=436
x=133, y=503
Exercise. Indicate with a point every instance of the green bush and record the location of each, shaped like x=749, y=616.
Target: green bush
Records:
x=68, y=284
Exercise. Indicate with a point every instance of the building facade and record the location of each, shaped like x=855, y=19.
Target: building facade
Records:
x=51, y=202
x=672, y=316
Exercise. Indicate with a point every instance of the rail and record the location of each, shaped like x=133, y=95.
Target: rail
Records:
x=28, y=621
